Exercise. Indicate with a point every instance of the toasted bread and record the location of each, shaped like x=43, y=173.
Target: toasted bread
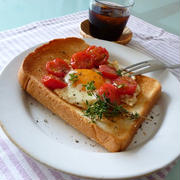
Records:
x=115, y=135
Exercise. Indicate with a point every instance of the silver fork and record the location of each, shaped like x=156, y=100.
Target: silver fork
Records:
x=148, y=66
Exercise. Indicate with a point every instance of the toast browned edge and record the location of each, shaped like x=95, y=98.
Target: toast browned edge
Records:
x=30, y=80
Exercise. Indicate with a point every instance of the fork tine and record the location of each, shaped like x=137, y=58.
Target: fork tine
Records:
x=134, y=65
x=147, y=66
x=146, y=70
x=140, y=72
x=139, y=67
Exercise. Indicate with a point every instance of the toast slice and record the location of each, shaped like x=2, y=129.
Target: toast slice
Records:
x=113, y=134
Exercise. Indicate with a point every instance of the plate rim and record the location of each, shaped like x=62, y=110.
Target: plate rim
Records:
x=74, y=174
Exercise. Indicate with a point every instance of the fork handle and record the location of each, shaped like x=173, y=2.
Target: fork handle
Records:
x=173, y=66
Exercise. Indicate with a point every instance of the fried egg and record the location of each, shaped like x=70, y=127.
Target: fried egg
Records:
x=75, y=93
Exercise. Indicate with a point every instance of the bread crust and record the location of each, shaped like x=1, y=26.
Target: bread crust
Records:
x=33, y=68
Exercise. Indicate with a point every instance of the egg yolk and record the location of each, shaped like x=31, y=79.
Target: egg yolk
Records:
x=86, y=75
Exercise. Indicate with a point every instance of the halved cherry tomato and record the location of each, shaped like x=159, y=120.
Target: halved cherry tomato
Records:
x=108, y=72
x=110, y=91
x=125, y=85
x=81, y=60
x=52, y=82
x=99, y=55
x=57, y=67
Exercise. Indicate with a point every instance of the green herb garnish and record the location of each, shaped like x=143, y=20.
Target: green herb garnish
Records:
x=103, y=107
x=120, y=86
x=96, y=110
x=90, y=88
x=134, y=115
x=119, y=72
x=100, y=73
x=73, y=77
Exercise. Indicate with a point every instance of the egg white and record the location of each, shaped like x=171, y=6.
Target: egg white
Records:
x=74, y=95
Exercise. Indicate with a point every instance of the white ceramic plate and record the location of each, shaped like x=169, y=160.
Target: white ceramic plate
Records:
x=49, y=140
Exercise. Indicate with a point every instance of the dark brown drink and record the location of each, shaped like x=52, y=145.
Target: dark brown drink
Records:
x=106, y=22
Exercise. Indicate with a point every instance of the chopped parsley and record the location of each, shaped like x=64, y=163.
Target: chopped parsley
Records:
x=73, y=77
x=134, y=115
x=119, y=72
x=90, y=88
x=103, y=107
x=120, y=86
x=100, y=73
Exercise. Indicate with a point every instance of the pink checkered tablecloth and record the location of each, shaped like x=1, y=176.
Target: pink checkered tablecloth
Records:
x=151, y=40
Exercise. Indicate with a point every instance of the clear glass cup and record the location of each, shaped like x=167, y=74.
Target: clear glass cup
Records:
x=108, y=18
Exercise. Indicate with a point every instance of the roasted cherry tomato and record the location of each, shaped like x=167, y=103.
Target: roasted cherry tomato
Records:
x=108, y=72
x=52, y=82
x=125, y=85
x=81, y=60
x=57, y=67
x=99, y=55
x=110, y=91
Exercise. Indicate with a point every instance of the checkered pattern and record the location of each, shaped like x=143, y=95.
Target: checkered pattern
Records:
x=14, y=165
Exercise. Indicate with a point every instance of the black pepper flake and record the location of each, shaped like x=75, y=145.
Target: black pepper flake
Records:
x=74, y=95
x=77, y=103
x=37, y=121
x=135, y=142
x=155, y=123
x=147, y=123
x=45, y=120
x=151, y=117
x=76, y=141
x=93, y=145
